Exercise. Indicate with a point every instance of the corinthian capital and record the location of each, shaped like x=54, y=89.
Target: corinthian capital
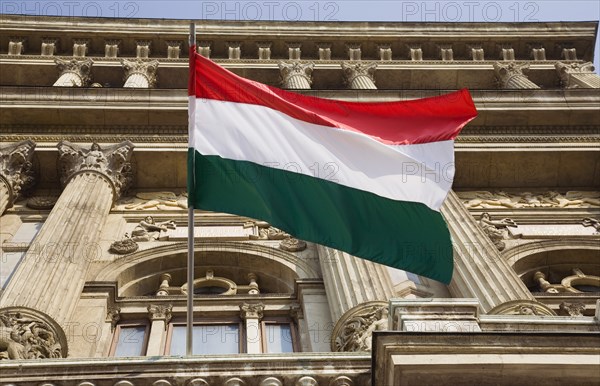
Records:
x=78, y=72
x=17, y=168
x=359, y=75
x=577, y=75
x=296, y=75
x=112, y=162
x=145, y=70
x=512, y=75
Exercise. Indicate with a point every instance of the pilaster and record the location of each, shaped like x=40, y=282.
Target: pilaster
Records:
x=16, y=172
x=159, y=316
x=252, y=314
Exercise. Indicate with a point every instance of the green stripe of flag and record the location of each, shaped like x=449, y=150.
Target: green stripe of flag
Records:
x=324, y=212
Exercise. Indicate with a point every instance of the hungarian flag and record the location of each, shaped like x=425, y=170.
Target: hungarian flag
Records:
x=365, y=178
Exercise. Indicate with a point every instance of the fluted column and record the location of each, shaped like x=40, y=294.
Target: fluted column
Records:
x=575, y=75
x=479, y=269
x=16, y=173
x=296, y=75
x=52, y=273
x=350, y=281
x=140, y=74
x=73, y=73
x=359, y=76
x=511, y=76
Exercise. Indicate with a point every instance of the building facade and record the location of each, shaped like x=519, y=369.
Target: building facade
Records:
x=93, y=238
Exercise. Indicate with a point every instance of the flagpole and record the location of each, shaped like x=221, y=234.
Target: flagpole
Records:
x=189, y=339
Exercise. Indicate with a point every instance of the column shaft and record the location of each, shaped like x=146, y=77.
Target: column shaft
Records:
x=362, y=82
x=69, y=79
x=137, y=81
x=52, y=273
x=479, y=269
x=156, y=340
x=4, y=196
x=350, y=281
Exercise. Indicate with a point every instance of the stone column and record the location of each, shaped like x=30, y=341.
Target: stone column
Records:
x=480, y=271
x=252, y=314
x=359, y=76
x=356, y=289
x=16, y=173
x=576, y=75
x=350, y=281
x=296, y=75
x=140, y=74
x=160, y=316
x=52, y=273
x=73, y=73
x=511, y=76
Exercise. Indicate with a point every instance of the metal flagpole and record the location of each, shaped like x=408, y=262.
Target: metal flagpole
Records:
x=189, y=339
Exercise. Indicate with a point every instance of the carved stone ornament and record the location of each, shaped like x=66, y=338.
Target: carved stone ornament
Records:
x=160, y=312
x=522, y=307
x=113, y=315
x=124, y=247
x=267, y=232
x=112, y=162
x=292, y=245
x=354, y=330
x=146, y=69
x=296, y=75
x=572, y=309
x=27, y=334
x=591, y=222
x=16, y=168
x=571, y=199
x=154, y=201
x=42, y=202
x=496, y=230
x=148, y=230
x=252, y=311
x=81, y=69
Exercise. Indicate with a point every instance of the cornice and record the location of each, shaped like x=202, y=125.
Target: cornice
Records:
x=220, y=27
x=467, y=65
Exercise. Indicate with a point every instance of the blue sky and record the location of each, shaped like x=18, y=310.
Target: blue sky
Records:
x=318, y=10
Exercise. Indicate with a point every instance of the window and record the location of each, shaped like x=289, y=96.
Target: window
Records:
x=278, y=337
x=130, y=340
x=26, y=232
x=8, y=263
x=210, y=338
x=15, y=248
